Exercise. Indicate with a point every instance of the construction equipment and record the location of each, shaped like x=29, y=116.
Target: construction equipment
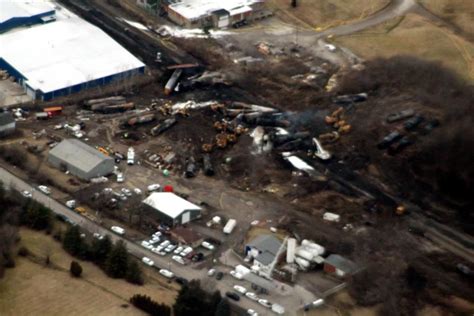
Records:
x=80, y=210
x=400, y=210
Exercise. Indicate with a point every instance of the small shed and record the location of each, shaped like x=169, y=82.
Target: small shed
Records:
x=7, y=124
x=339, y=266
x=171, y=209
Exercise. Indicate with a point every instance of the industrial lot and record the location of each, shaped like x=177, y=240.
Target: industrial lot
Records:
x=224, y=144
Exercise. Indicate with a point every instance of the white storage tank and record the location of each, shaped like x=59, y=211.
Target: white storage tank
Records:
x=314, y=248
x=290, y=251
x=303, y=253
x=302, y=263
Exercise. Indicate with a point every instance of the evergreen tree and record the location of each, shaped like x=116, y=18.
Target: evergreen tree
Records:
x=73, y=242
x=223, y=308
x=117, y=261
x=100, y=250
x=134, y=274
x=192, y=300
x=75, y=269
x=146, y=304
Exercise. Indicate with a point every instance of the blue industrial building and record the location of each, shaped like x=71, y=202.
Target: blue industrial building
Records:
x=62, y=57
x=20, y=13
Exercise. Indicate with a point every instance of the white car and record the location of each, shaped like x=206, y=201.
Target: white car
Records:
x=236, y=275
x=126, y=191
x=157, y=234
x=44, y=189
x=251, y=312
x=148, y=261
x=265, y=303
x=252, y=296
x=240, y=289
x=207, y=245
x=153, y=187
x=71, y=203
x=26, y=194
x=98, y=236
x=146, y=244
x=120, y=177
x=137, y=191
x=165, y=243
x=154, y=240
x=186, y=251
x=170, y=248
x=166, y=273
x=330, y=47
x=211, y=272
x=178, y=250
x=178, y=259
x=118, y=230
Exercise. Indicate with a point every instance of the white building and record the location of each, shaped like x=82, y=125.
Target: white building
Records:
x=171, y=209
x=264, y=251
x=61, y=57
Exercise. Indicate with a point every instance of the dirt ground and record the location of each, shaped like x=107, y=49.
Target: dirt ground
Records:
x=417, y=36
x=51, y=290
x=324, y=14
x=456, y=12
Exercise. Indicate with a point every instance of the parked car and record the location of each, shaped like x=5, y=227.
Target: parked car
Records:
x=170, y=248
x=233, y=296
x=118, y=230
x=71, y=203
x=219, y=276
x=148, y=261
x=398, y=147
x=393, y=117
x=389, y=140
x=153, y=187
x=178, y=250
x=27, y=194
x=186, y=251
x=137, y=191
x=265, y=303
x=166, y=273
x=211, y=272
x=158, y=251
x=44, y=189
x=165, y=243
x=252, y=296
x=146, y=245
x=330, y=47
x=126, y=191
x=240, y=289
x=98, y=236
x=207, y=245
x=120, y=177
x=251, y=312
x=236, y=275
x=178, y=259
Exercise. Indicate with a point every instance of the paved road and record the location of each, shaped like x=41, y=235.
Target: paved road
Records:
x=394, y=9
x=11, y=181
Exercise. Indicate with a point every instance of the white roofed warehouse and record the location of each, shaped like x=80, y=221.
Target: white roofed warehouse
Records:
x=213, y=13
x=61, y=57
x=80, y=159
x=170, y=209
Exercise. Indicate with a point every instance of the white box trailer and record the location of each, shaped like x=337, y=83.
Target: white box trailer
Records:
x=229, y=226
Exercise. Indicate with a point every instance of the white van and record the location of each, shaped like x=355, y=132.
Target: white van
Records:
x=118, y=230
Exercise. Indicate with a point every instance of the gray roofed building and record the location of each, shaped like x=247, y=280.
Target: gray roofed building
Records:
x=80, y=159
x=265, y=243
x=7, y=123
x=264, y=250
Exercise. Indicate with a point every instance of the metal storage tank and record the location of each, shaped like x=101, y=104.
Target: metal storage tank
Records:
x=290, y=251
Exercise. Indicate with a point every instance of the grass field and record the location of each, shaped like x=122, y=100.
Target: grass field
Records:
x=311, y=13
x=414, y=35
x=33, y=289
x=460, y=13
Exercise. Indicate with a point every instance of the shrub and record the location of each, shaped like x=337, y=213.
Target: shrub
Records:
x=23, y=251
x=146, y=304
x=75, y=269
